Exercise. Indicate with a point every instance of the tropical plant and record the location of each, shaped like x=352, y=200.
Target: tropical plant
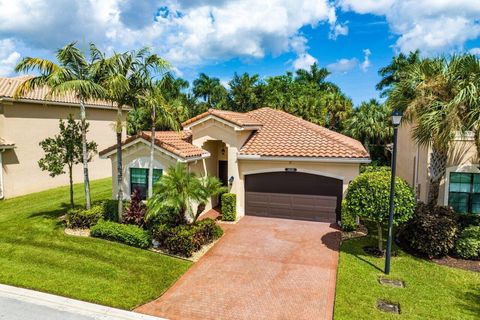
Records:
x=246, y=92
x=159, y=109
x=316, y=76
x=368, y=197
x=425, y=92
x=125, y=77
x=370, y=124
x=210, y=90
x=73, y=74
x=338, y=109
x=135, y=213
x=392, y=73
x=65, y=149
x=179, y=190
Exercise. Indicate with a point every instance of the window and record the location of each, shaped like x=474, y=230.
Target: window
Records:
x=139, y=180
x=464, y=192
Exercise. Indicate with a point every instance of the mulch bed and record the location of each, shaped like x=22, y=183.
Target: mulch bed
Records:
x=471, y=265
x=361, y=231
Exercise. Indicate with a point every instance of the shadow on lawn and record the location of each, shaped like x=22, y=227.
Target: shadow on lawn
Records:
x=357, y=251
x=470, y=300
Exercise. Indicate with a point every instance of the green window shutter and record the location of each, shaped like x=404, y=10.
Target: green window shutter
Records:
x=157, y=173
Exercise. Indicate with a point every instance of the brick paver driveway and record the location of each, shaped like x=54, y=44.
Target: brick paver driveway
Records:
x=262, y=268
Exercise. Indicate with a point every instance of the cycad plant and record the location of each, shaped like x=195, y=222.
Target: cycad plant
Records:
x=73, y=74
x=182, y=192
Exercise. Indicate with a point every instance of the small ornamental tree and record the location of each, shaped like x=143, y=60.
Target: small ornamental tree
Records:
x=368, y=197
x=65, y=149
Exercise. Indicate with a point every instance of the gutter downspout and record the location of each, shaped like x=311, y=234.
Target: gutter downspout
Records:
x=2, y=193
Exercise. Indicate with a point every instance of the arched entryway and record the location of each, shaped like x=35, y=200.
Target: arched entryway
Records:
x=293, y=195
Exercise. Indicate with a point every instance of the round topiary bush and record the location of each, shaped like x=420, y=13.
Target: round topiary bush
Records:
x=368, y=197
x=431, y=231
x=467, y=245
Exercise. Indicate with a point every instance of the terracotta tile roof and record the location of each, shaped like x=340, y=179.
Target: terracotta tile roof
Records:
x=4, y=144
x=285, y=135
x=236, y=118
x=9, y=85
x=178, y=143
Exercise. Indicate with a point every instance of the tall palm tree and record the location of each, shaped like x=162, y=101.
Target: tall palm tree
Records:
x=391, y=73
x=246, y=92
x=71, y=75
x=338, y=108
x=160, y=110
x=126, y=77
x=209, y=89
x=425, y=93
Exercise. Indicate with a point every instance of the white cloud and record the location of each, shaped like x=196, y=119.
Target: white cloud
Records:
x=366, y=60
x=475, y=51
x=433, y=26
x=343, y=65
x=340, y=29
x=186, y=32
x=8, y=57
x=304, y=61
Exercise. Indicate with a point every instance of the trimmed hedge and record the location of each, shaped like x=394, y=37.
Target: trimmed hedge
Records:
x=431, y=231
x=185, y=239
x=84, y=219
x=229, y=207
x=467, y=245
x=373, y=168
x=124, y=233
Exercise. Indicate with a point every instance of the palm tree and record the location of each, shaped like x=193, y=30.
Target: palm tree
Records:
x=391, y=73
x=370, y=124
x=125, y=76
x=160, y=110
x=209, y=89
x=178, y=189
x=72, y=74
x=425, y=92
x=338, y=108
x=317, y=76
x=246, y=92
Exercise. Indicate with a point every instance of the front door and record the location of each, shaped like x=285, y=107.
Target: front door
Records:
x=223, y=172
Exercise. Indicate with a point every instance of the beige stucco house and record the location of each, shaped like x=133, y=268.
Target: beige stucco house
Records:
x=278, y=165
x=460, y=187
x=26, y=121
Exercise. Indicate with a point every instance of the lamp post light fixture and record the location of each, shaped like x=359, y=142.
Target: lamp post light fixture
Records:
x=396, y=119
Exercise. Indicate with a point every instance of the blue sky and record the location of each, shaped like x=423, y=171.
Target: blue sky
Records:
x=352, y=38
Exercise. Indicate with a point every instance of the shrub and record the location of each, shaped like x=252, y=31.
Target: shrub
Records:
x=186, y=239
x=349, y=221
x=467, y=245
x=135, y=213
x=368, y=197
x=372, y=168
x=229, y=207
x=124, y=233
x=110, y=209
x=83, y=219
x=431, y=231
x=466, y=220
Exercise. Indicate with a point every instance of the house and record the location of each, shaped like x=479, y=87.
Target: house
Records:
x=278, y=165
x=26, y=121
x=459, y=188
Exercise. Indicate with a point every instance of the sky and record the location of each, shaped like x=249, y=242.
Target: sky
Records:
x=352, y=38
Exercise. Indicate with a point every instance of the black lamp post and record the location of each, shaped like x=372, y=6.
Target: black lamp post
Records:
x=396, y=118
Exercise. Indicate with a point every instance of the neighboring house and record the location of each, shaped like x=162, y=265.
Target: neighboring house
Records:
x=26, y=121
x=460, y=188
x=278, y=165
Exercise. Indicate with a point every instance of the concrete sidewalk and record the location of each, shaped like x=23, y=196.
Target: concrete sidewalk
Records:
x=23, y=304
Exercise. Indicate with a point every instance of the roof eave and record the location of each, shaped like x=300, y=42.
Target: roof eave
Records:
x=237, y=127
x=58, y=103
x=303, y=159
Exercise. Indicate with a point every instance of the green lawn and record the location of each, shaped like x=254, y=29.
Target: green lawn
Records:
x=432, y=291
x=36, y=254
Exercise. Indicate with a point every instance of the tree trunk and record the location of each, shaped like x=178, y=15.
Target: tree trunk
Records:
x=152, y=144
x=437, y=168
x=70, y=176
x=477, y=141
x=118, y=130
x=380, y=238
x=86, y=181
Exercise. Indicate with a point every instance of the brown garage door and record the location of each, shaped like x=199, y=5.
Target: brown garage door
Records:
x=293, y=195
